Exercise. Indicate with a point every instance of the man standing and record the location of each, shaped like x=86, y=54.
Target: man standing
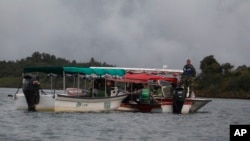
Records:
x=187, y=78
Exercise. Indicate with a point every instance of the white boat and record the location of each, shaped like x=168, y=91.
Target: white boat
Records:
x=46, y=103
x=163, y=103
x=72, y=99
x=198, y=103
x=76, y=99
x=66, y=103
x=190, y=105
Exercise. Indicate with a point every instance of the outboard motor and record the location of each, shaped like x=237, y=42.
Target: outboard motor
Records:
x=178, y=100
x=31, y=90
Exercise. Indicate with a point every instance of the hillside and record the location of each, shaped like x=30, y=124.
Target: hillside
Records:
x=215, y=80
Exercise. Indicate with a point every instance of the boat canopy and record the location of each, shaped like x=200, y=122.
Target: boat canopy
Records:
x=76, y=70
x=143, y=78
x=127, y=80
x=55, y=70
x=147, y=77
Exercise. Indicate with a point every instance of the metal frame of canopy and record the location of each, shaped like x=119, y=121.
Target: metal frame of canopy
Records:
x=76, y=70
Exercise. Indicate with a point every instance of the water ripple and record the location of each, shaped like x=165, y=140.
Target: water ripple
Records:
x=209, y=124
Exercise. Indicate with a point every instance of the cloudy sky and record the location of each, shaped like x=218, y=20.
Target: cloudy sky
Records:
x=127, y=33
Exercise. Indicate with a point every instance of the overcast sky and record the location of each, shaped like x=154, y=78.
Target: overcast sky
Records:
x=127, y=33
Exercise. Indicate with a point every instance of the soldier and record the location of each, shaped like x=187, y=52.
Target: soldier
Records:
x=187, y=78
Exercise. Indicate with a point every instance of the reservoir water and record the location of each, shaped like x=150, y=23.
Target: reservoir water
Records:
x=211, y=123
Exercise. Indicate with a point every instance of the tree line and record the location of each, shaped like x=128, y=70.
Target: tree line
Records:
x=222, y=80
x=11, y=71
x=215, y=80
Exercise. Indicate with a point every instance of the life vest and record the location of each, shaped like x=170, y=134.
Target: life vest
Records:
x=144, y=94
x=188, y=70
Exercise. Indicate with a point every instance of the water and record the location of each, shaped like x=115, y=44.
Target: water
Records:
x=211, y=123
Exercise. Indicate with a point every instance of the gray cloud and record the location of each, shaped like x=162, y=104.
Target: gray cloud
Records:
x=127, y=33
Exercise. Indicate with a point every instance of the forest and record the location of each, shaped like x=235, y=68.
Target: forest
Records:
x=215, y=80
x=11, y=71
x=222, y=80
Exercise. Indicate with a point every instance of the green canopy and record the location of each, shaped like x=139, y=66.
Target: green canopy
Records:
x=86, y=71
x=112, y=72
x=55, y=70
x=118, y=72
x=71, y=70
x=74, y=70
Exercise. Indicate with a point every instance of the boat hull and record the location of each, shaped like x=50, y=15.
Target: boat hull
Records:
x=64, y=103
x=165, y=105
x=46, y=103
x=198, y=103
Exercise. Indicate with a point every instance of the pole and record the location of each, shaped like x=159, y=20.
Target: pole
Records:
x=64, y=81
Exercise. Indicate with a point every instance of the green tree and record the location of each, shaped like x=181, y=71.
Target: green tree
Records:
x=210, y=65
x=227, y=68
x=11, y=71
x=210, y=78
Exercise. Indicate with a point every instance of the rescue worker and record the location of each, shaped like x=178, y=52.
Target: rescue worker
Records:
x=187, y=78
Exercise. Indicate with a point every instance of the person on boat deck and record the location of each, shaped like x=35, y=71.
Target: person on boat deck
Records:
x=110, y=86
x=145, y=94
x=187, y=77
x=93, y=88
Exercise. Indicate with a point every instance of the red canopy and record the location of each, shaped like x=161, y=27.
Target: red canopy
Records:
x=146, y=77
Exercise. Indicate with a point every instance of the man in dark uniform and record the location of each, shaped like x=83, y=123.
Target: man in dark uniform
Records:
x=187, y=78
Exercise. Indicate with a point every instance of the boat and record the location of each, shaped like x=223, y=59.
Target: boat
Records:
x=166, y=99
x=72, y=99
x=82, y=104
